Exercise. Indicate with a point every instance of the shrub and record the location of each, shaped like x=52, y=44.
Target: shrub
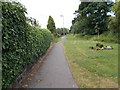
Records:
x=21, y=43
x=106, y=38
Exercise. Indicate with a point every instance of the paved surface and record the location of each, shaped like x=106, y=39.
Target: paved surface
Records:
x=55, y=72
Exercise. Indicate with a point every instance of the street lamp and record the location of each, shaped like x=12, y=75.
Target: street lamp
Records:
x=63, y=23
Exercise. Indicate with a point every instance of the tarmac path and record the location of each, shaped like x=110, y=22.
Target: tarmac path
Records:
x=55, y=72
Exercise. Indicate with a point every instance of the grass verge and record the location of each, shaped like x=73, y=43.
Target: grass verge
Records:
x=92, y=68
x=57, y=39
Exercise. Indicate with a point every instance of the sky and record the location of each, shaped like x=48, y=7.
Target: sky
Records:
x=42, y=9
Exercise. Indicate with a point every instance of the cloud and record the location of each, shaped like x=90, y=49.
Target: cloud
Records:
x=41, y=9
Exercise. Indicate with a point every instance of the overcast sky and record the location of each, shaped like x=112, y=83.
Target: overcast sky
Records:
x=41, y=9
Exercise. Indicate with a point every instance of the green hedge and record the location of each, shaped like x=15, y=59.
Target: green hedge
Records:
x=21, y=43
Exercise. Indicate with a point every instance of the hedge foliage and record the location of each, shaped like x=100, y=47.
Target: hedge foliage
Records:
x=21, y=43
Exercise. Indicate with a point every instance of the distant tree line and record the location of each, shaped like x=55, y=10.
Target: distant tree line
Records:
x=62, y=31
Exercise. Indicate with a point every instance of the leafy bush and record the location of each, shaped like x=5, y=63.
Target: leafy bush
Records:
x=21, y=43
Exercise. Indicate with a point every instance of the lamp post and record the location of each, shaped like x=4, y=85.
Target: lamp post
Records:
x=63, y=23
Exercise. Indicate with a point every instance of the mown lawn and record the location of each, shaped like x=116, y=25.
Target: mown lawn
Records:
x=92, y=68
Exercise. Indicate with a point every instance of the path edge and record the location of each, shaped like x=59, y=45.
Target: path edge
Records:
x=69, y=65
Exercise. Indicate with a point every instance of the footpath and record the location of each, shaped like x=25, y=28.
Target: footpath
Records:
x=54, y=72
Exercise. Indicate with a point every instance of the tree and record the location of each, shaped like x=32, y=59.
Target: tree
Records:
x=91, y=18
x=33, y=21
x=51, y=25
